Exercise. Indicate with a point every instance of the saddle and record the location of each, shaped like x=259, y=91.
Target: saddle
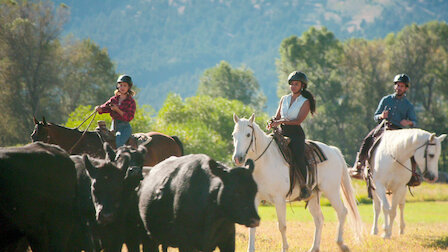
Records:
x=107, y=135
x=313, y=156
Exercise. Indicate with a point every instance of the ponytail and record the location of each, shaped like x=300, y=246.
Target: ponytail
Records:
x=307, y=94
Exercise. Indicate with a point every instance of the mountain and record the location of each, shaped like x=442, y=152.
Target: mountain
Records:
x=166, y=45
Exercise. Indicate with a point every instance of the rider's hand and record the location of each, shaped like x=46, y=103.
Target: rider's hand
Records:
x=97, y=108
x=385, y=114
x=406, y=123
x=114, y=107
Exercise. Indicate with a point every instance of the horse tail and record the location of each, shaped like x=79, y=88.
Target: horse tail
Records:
x=348, y=196
x=179, y=143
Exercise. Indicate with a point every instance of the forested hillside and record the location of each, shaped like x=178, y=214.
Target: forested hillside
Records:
x=166, y=45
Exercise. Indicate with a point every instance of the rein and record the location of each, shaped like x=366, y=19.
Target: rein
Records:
x=426, y=157
x=82, y=136
x=252, y=140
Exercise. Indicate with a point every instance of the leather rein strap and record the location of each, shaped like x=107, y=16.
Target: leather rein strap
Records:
x=252, y=140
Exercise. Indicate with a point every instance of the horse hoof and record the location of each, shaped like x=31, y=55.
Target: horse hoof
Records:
x=343, y=247
x=386, y=236
x=374, y=232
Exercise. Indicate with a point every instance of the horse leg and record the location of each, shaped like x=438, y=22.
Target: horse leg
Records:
x=251, y=247
x=381, y=193
x=401, y=205
x=316, y=212
x=376, y=213
x=280, y=208
x=335, y=199
x=396, y=199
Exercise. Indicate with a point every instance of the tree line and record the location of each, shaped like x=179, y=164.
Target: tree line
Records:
x=63, y=78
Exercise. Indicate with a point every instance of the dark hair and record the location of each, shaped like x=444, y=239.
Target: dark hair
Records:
x=307, y=94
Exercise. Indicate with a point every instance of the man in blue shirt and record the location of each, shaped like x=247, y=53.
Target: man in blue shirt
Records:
x=398, y=113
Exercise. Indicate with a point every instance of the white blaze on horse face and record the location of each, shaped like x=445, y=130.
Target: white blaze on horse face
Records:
x=242, y=135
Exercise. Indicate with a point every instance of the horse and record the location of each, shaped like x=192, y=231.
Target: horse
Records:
x=273, y=179
x=159, y=147
x=390, y=165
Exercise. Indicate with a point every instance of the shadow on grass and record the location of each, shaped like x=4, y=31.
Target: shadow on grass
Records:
x=440, y=242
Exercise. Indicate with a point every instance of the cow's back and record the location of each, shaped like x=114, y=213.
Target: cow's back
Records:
x=38, y=192
x=175, y=200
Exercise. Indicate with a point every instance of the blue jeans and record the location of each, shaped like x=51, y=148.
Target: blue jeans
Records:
x=123, y=131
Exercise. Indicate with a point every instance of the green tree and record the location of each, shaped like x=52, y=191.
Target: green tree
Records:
x=29, y=75
x=233, y=84
x=87, y=74
x=204, y=124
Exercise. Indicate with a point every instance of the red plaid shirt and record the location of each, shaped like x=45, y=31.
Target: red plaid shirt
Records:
x=127, y=106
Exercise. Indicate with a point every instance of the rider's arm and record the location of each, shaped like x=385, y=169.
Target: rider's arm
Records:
x=412, y=116
x=377, y=116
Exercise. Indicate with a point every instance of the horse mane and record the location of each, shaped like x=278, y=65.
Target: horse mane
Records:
x=395, y=141
x=64, y=128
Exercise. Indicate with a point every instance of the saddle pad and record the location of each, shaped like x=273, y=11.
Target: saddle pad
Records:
x=314, y=153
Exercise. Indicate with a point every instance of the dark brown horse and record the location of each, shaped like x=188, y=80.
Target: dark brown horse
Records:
x=160, y=146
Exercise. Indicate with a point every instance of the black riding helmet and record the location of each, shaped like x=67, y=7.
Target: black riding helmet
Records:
x=298, y=76
x=125, y=78
x=402, y=78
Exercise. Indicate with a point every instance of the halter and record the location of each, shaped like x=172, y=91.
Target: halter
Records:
x=252, y=140
x=426, y=144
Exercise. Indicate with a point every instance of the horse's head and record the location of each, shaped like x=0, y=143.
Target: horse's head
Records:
x=427, y=157
x=243, y=138
x=107, y=186
x=40, y=132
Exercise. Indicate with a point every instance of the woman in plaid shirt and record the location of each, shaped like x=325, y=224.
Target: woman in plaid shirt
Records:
x=121, y=107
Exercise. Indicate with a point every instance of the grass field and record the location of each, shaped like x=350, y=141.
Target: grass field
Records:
x=426, y=217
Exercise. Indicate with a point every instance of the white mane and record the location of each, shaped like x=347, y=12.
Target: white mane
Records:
x=396, y=141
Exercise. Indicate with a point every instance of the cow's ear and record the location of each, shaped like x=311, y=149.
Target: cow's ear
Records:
x=250, y=165
x=44, y=121
x=142, y=149
x=123, y=163
x=91, y=170
x=35, y=120
x=217, y=169
x=110, y=153
x=235, y=118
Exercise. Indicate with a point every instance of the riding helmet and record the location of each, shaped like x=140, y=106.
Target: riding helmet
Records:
x=402, y=78
x=298, y=76
x=125, y=78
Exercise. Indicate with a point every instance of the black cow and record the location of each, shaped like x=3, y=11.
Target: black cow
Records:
x=104, y=187
x=193, y=203
x=37, y=197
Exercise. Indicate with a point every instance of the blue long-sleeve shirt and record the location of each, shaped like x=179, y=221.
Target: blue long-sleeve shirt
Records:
x=399, y=109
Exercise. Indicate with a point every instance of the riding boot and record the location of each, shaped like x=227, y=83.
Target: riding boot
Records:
x=357, y=171
x=305, y=192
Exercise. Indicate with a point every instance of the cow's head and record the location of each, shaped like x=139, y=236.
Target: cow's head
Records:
x=107, y=186
x=134, y=173
x=236, y=197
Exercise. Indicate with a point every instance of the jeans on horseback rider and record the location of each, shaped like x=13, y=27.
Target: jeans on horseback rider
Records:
x=292, y=111
x=397, y=112
x=122, y=108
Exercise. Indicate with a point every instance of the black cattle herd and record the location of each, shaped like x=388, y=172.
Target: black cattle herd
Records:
x=51, y=201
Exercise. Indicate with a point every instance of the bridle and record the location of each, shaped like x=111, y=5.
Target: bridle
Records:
x=426, y=145
x=253, y=140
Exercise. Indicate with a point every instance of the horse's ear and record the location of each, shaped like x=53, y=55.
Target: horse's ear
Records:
x=431, y=138
x=251, y=118
x=110, y=153
x=235, y=118
x=441, y=137
x=91, y=170
x=250, y=164
x=35, y=120
x=43, y=121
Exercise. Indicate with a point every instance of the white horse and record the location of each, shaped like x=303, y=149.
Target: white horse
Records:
x=272, y=177
x=391, y=170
